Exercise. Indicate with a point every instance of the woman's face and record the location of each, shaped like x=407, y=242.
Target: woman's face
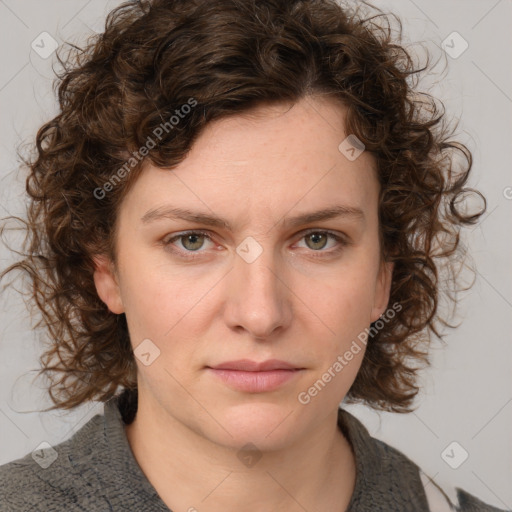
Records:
x=260, y=284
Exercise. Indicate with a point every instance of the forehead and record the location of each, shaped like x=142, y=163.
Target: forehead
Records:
x=266, y=161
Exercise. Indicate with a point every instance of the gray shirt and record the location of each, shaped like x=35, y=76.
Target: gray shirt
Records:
x=95, y=470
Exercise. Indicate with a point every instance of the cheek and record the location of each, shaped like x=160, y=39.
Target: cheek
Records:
x=170, y=308
x=154, y=301
x=338, y=352
x=345, y=303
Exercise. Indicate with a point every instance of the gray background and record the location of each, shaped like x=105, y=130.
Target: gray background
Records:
x=467, y=395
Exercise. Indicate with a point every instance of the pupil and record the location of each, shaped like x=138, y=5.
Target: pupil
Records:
x=316, y=237
x=190, y=238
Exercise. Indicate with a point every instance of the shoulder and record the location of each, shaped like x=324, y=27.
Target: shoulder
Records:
x=444, y=497
x=441, y=497
x=470, y=503
x=45, y=479
x=25, y=485
x=396, y=481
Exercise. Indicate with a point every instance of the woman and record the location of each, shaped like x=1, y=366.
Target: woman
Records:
x=237, y=221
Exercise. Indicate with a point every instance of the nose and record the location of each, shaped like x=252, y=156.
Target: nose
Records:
x=258, y=298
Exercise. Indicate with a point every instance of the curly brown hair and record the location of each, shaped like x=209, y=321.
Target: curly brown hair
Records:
x=229, y=56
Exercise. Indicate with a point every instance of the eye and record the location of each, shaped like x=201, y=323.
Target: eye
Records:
x=318, y=240
x=192, y=241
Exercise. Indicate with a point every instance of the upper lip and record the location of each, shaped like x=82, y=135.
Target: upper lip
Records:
x=254, y=366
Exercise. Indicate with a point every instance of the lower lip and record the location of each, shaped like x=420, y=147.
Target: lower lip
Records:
x=255, y=382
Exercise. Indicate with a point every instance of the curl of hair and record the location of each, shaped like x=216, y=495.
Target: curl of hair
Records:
x=231, y=56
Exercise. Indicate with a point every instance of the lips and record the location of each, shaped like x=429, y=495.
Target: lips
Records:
x=253, y=377
x=248, y=365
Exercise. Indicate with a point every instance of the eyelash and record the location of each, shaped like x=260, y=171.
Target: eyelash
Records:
x=342, y=241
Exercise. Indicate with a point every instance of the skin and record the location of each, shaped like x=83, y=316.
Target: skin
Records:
x=299, y=301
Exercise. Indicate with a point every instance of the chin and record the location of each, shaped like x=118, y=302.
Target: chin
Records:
x=269, y=426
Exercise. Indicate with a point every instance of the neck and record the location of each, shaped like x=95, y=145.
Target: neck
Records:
x=190, y=472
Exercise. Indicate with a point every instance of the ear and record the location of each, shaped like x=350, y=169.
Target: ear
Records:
x=106, y=283
x=382, y=290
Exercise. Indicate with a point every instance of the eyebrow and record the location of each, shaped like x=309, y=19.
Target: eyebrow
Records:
x=170, y=212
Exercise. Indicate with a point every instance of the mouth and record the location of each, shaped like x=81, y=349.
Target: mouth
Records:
x=255, y=377
x=247, y=365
